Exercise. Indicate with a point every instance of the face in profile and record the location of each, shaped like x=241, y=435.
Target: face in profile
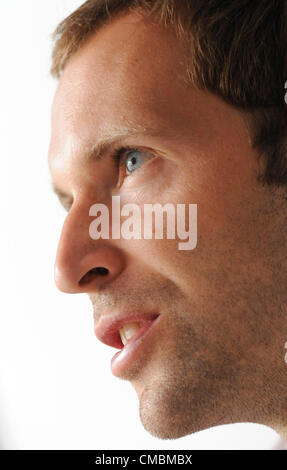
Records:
x=199, y=331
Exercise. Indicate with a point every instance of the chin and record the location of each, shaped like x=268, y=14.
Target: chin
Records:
x=165, y=415
x=165, y=426
x=163, y=432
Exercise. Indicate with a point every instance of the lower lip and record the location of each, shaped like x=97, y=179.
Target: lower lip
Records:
x=123, y=358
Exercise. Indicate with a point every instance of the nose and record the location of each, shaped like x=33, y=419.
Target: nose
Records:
x=83, y=264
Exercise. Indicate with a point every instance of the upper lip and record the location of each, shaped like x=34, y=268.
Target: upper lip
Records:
x=107, y=329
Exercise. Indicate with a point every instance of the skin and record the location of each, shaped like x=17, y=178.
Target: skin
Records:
x=217, y=354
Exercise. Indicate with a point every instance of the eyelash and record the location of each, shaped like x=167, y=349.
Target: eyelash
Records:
x=119, y=152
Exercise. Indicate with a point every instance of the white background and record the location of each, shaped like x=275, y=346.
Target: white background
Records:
x=56, y=387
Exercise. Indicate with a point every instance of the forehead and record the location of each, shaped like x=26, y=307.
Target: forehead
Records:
x=129, y=47
x=128, y=71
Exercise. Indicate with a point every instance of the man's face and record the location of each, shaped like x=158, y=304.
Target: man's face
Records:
x=211, y=352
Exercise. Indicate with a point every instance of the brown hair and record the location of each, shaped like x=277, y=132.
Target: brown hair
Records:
x=237, y=50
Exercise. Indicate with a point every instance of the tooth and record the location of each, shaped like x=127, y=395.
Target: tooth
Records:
x=128, y=331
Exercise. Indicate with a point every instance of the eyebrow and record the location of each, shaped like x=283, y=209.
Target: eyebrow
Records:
x=97, y=151
x=103, y=144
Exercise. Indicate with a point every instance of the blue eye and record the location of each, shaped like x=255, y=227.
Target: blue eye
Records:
x=133, y=160
x=129, y=159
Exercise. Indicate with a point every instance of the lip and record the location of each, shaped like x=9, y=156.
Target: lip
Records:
x=107, y=331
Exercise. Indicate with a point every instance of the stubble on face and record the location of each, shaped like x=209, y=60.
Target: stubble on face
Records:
x=214, y=359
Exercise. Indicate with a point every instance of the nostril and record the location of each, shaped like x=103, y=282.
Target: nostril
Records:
x=92, y=274
x=101, y=271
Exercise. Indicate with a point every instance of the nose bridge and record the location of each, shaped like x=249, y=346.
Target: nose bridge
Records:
x=84, y=264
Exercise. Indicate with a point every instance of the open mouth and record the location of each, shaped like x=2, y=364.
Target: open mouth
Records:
x=132, y=337
x=117, y=330
x=126, y=333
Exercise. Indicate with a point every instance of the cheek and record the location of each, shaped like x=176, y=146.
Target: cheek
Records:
x=164, y=257
x=224, y=186
x=171, y=254
x=221, y=193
